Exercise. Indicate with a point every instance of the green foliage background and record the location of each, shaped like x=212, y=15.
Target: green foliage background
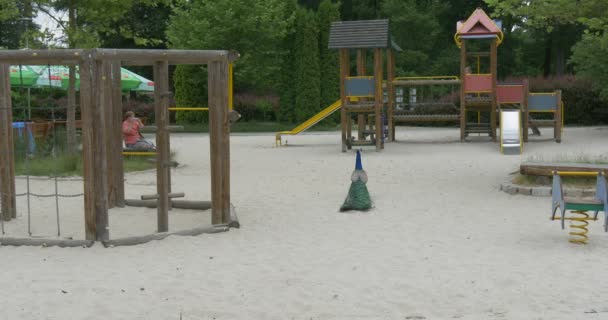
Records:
x=286, y=73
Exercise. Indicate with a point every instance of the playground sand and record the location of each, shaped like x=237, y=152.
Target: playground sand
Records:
x=442, y=241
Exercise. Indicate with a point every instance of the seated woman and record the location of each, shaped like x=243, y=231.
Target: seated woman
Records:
x=132, y=136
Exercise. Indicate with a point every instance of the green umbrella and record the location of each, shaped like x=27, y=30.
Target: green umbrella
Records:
x=54, y=76
x=58, y=77
x=23, y=76
x=129, y=80
x=144, y=84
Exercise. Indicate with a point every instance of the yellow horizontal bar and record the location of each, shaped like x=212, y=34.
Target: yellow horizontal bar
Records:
x=429, y=77
x=580, y=174
x=188, y=109
x=575, y=219
x=360, y=77
x=350, y=97
x=138, y=153
x=542, y=93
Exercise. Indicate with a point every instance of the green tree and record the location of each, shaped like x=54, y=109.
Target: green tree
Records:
x=416, y=29
x=15, y=20
x=190, y=90
x=88, y=20
x=307, y=69
x=330, y=70
x=252, y=27
x=590, y=58
x=287, y=104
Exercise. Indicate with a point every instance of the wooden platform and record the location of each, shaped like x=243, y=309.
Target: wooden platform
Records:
x=546, y=169
x=425, y=117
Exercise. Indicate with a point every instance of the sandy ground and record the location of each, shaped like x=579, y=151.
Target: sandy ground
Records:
x=441, y=243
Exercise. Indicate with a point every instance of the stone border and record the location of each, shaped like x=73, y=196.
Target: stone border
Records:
x=543, y=191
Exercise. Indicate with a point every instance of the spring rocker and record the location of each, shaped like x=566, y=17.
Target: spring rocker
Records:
x=579, y=207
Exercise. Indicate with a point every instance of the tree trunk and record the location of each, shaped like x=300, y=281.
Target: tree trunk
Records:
x=560, y=56
x=548, y=47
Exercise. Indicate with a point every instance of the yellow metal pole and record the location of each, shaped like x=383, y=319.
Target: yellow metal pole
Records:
x=127, y=153
x=188, y=109
x=578, y=174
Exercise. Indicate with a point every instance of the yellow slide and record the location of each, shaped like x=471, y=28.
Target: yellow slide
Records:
x=310, y=122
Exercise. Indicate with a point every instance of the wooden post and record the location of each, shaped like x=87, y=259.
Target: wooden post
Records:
x=349, y=129
x=493, y=71
x=94, y=152
x=525, y=112
x=71, y=111
x=161, y=105
x=101, y=150
x=104, y=90
x=463, y=107
x=117, y=117
x=390, y=70
x=378, y=76
x=557, y=131
x=344, y=72
x=7, y=158
x=88, y=164
x=219, y=135
x=361, y=71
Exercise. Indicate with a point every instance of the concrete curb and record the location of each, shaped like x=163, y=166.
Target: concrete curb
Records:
x=543, y=191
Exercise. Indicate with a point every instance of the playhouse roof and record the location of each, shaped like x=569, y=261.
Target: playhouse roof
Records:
x=478, y=24
x=361, y=34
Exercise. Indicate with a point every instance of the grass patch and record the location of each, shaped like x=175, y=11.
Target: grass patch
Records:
x=260, y=126
x=573, y=182
x=71, y=165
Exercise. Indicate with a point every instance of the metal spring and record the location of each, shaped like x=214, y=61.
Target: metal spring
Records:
x=578, y=227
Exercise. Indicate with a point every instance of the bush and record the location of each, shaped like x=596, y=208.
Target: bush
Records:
x=142, y=107
x=256, y=107
x=582, y=104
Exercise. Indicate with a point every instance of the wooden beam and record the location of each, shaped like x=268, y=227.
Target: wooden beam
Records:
x=170, y=195
x=463, y=107
x=131, y=241
x=361, y=71
x=525, y=111
x=148, y=56
x=379, y=96
x=219, y=136
x=88, y=157
x=104, y=89
x=161, y=105
x=117, y=117
x=478, y=54
x=390, y=70
x=43, y=57
x=178, y=204
x=8, y=199
x=344, y=72
x=94, y=153
x=423, y=82
x=493, y=71
x=63, y=243
x=546, y=169
x=557, y=129
x=100, y=147
x=71, y=111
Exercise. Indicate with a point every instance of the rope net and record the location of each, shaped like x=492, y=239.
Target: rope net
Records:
x=42, y=142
